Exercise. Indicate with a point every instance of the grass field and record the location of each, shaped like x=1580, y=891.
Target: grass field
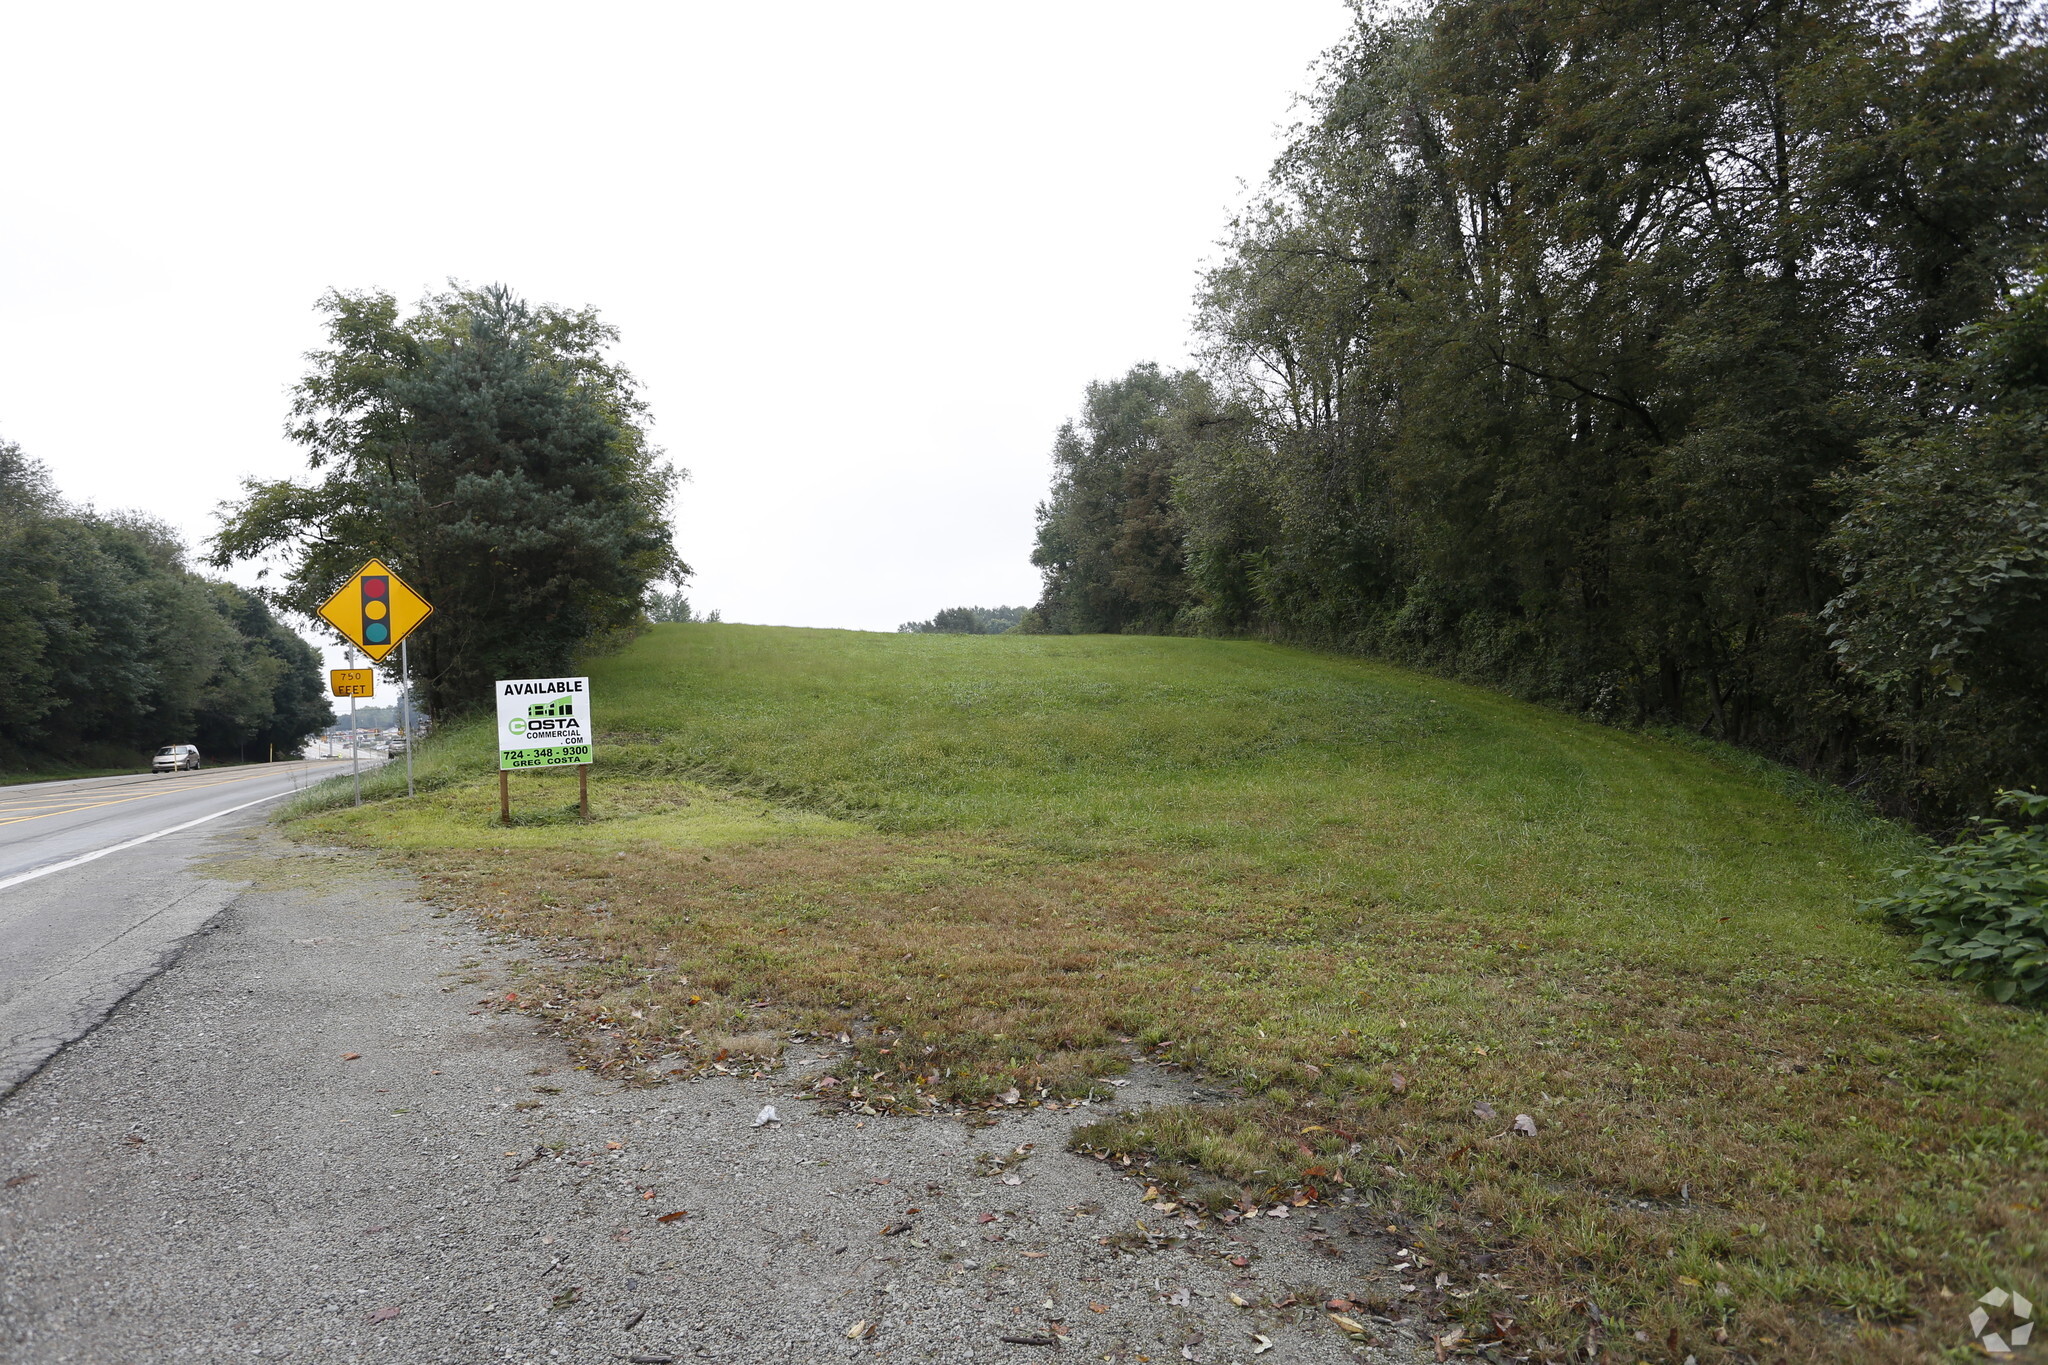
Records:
x=1391, y=912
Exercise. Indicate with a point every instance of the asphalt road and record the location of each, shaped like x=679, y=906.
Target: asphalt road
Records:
x=93, y=895
x=309, y=1139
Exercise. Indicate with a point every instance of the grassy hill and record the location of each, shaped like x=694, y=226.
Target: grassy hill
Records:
x=1391, y=911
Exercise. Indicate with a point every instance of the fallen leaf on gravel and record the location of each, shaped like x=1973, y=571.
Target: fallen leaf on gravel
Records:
x=1356, y=1329
x=1400, y=1083
x=1525, y=1125
x=671, y=1217
x=1010, y=1096
x=1449, y=1340
x=351, y=1056
x=767, y=1115
x=613, y=1146
x=1239, y=1301
x=1098, y=1308
x=894, y=1228
x=632, y=1319
x=1265, y=1344
x=1340, y=1305
x=861, y=1329
x=1177, y=1299
x=1240, y=1261
x=17, y=1181
x=985, y=1218
x=1013, y=1179
x=383, y=1314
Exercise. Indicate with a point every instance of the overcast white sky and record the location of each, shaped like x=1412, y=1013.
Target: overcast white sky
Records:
x=865, y=256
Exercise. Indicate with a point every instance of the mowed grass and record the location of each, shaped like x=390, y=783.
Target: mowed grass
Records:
x=1393, y=912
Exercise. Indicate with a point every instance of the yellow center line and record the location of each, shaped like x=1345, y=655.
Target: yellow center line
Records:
x=91, y=794
x=76, y=806
x=85, y=793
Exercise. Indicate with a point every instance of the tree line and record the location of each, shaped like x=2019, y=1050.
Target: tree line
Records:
x=115, y=647
x=1684, y=364
x=968, y=621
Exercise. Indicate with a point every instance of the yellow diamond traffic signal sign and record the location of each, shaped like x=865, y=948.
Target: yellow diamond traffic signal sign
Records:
x=375, y=609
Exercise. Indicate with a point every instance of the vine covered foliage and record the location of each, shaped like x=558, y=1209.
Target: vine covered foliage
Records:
x=1981, y=904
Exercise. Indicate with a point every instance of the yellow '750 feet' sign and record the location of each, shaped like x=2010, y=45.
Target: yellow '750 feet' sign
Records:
x=375, y=609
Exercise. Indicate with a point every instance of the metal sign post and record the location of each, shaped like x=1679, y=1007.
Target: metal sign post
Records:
x=355, y=751
x=352, y=682
x=405, y=722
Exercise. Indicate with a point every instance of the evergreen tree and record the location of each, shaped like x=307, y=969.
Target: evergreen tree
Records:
x=492, y=455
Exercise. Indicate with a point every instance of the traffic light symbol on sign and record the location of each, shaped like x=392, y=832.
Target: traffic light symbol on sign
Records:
x=376, y=609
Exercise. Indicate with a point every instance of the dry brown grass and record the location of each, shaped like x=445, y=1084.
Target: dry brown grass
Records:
x=1735, y=1164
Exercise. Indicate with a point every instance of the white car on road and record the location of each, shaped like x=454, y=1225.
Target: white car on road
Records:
x=175, y=758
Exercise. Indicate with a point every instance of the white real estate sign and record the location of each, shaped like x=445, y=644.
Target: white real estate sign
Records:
x=543, y=722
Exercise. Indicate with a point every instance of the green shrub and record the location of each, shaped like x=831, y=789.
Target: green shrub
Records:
x=1981, y=904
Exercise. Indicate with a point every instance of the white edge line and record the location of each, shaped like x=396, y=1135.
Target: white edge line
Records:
x=18, y=878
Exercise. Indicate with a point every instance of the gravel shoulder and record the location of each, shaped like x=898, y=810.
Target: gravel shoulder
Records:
x=304, y=1140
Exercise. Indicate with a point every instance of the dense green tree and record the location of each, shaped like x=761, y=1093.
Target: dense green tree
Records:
x=669, y=607
x=1108, y=539
x=492, y=454
x=1944, y=548
x=116, y=647
x=967, y=621
x=272, y=695
x=1557, y=349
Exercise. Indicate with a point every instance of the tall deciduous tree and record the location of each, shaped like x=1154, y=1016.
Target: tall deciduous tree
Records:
x=1108, y=541
x=1553, y=352
x=491, y=453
